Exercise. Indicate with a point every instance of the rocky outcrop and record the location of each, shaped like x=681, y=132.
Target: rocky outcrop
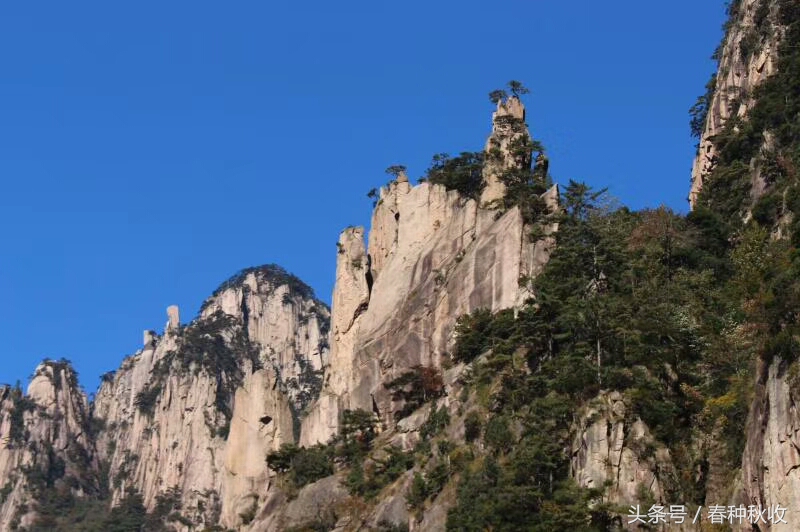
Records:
x=198, y=409
x=508, y=127
x=614, y=452
x=317, y=506
x=162, y=430
x=261, y=421
x=45, y=436
x=174, y=318
x=433, y=256
x=770, y=473
x=285, y=322
x=747, y=57
x=354, y=279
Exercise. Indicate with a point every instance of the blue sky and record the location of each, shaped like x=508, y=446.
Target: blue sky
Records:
x=149, y=151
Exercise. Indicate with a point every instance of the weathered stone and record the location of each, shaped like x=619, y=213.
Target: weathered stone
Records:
x=736, y=78
x=174, y=316
x=217, y=460
x=392, y=509
x=261, y=421
x=315, y=504
x=433, y=256
x=199, y=408
x=771, y=460
x=508, y=126
x=609, y=449
x=56, y=422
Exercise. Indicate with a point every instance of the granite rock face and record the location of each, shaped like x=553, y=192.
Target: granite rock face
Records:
x=316, y=503
x=771, y=459
x=508, y=127
x=610, y=449
x=770, y=472
x=737, y=76
x=432, y=256
x=198, y=409
x=286, y=323
x=49, y=427
x=195, y=412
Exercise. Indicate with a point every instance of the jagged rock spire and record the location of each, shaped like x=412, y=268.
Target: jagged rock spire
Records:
x=508, y=125
x=173, y=313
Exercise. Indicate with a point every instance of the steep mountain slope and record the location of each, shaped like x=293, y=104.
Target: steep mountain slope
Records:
x=185, y=427
x=752, y=170
x=198, y=409
x=185, y=423
x=746, y=57
x=46, y=445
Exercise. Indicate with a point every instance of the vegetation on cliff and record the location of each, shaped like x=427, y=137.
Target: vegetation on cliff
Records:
x=766, y=139
x=273, y=274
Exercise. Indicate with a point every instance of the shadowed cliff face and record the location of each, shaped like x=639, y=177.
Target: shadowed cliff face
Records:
x=756, y=60
x=771, y=463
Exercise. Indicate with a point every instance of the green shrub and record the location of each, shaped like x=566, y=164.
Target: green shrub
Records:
x=416, y=387
x=145, y=400
x=498, y=435
x=472, y=426
x=311, y=464
x=438, y=420
x=304, y=465
x=472, y=335
x=368, y=482
x=463, y=173
x=418, y=491
x=20, y=404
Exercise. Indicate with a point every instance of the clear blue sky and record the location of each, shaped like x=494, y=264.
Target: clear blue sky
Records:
x=149, y=150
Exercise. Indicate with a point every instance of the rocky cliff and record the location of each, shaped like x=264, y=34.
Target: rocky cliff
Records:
x=188, y=421
x=746, y=57
x=770, y=474
x=197, y=409
x=433, y=255
x=757, y=65
x=610, y=449
x=46, y=441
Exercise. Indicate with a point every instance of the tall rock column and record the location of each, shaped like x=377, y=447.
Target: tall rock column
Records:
x=508, y=127
x=350, y=301
x=770, y=472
